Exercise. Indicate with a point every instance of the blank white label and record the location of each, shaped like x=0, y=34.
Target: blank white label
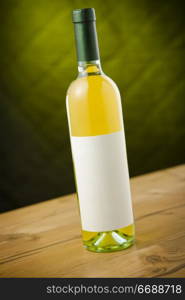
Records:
x=102, y=181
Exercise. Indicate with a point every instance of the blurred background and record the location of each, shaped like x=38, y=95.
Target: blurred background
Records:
x=142, y=47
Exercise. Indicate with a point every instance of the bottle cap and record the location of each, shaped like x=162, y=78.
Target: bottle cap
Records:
x=85, y=34
x=83, y=15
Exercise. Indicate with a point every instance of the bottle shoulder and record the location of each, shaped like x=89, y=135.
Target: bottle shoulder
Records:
x=97, y=84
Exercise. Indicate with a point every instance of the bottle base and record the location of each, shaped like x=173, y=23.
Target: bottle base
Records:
x=109, y=241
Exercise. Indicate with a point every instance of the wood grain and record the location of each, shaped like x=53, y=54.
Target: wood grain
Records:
x=44, y=240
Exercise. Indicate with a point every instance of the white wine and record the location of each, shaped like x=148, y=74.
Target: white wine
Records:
x=98, y=146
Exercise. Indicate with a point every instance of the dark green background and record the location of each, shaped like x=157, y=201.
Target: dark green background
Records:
x=142, y=50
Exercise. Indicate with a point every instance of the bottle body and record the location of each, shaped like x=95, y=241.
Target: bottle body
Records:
x=100, y=163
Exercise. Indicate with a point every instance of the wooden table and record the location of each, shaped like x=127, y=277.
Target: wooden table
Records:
x=44, y=240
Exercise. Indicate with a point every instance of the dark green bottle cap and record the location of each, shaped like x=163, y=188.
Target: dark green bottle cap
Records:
x=84, y=15
x=85, y=34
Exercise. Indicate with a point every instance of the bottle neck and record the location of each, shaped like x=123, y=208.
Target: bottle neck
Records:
x=88, y=68
x=86, y=42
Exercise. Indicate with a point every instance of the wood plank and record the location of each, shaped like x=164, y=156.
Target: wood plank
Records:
x=44, y=240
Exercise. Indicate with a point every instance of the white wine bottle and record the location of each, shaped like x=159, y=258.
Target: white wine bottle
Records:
x=98, y=146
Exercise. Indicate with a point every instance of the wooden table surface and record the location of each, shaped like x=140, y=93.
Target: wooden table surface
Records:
x=44, y=240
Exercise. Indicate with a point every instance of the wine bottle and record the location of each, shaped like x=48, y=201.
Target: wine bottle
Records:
x=98, y=146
